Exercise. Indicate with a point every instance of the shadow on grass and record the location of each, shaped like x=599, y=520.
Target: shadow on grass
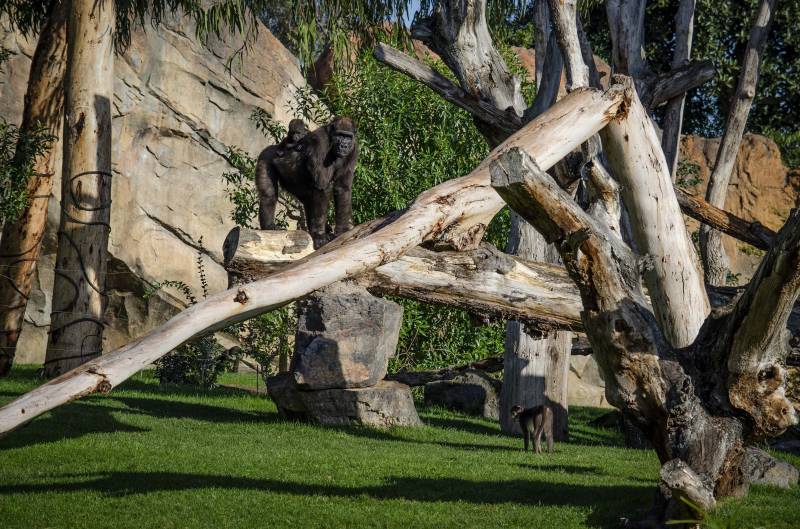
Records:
x=607, y=500
x=465, y=425
x=103, y=415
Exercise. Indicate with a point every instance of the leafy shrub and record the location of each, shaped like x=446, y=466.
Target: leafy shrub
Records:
x=200, y=361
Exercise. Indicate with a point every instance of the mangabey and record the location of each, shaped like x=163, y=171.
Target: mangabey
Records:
x=323, y=163
x=535, y=421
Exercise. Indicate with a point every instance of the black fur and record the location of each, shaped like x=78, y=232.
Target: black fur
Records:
x=320, y=165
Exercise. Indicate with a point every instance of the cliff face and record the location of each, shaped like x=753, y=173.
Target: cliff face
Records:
x=176, y=108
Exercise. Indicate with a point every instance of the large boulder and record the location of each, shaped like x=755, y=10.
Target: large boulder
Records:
x=383, y=405
x=472, y=392
x=177, y=107
x=760, y=467
x=585, y=386
x=283, y=391
x=345, y=337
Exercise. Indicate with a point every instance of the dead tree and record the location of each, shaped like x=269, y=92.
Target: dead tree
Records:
x=699, y=404
x=79, y=297
x=536, y=366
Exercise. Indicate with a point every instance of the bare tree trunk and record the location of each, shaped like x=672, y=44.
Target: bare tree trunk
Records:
x=79, y=298
x=673, y=118
x=714, y=259
x=671, y=272
x=451, y=208
x=21, y=241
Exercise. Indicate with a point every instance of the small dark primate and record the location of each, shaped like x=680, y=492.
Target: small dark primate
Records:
x=535, y=421
x=297, y=131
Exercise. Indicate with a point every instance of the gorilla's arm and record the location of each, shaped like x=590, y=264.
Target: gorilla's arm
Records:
x=267, y=185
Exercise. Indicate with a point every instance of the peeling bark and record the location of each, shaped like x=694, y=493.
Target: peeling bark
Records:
x=21, y=240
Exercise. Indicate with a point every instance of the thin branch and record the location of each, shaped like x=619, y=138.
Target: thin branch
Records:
x=673, y=117
x=419, y=71
x=493, y=364
x=714, y=258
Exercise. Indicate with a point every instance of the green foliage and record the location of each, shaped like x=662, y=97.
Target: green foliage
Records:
x=197, y=363
x=18, y=153
x=201, y=361
x=687, y=173
x=240, y=187
x=267, y=337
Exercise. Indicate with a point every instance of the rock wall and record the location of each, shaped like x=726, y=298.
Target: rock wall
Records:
x=176, y=108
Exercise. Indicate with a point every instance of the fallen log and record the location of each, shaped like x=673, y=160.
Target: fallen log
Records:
x=484, y=281
x=450, y=209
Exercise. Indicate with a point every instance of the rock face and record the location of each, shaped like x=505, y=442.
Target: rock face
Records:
x=176, y=109
x=472, y=392
x=585, y=386
x=345, y=337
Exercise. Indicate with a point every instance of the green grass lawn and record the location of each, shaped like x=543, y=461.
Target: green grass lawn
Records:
x=163, y=457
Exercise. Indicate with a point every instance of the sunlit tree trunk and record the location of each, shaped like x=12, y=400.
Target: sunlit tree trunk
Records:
x=79, y=298
x=21, y=241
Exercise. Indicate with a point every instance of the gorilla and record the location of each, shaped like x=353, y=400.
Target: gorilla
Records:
x=320, y=163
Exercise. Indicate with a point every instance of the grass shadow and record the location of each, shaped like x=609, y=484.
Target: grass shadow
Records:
x=603, y=499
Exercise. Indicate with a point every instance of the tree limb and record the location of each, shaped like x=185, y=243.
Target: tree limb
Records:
x=673, y=117
x=493, y=364
x=672, y=278
x=419, y=71
x=714, y=258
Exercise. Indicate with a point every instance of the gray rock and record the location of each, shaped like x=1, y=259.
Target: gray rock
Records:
x=472, y=392
x=760, y=467
x=386, y=404
x=345, y=337
x=283, y=392
x=791, y=446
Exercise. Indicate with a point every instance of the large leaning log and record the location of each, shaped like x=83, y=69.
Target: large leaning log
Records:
x=484, y=281
x=449, y=209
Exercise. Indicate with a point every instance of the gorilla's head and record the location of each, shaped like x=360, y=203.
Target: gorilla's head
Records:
x=297, y=130
x=342, y=135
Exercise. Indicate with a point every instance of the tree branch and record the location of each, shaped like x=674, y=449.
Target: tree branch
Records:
x=678, y=81
x=673, y=117
x=673, y=280
x=493, y=364
x=757, y=335
x=419, y=71
x=751, y=232
x=460, y=202
x=714, y=258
